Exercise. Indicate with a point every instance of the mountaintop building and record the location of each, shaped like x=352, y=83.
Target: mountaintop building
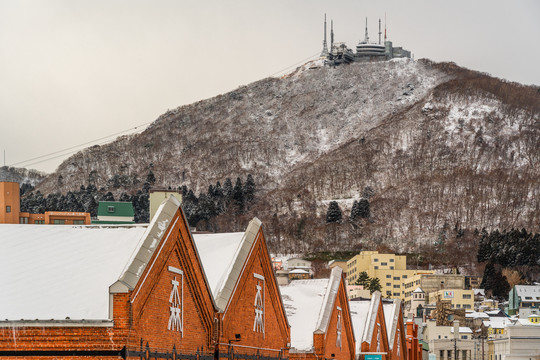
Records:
x=366, y=50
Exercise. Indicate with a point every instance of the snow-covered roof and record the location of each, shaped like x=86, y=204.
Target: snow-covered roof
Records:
x=371, y=317
x=475, y=314
x=462, y=330
x=329, y=300
x=217, y=252
x=359, y=311
x=479, y=292
x=298, y=271
x=528, y=292
x=223, y=257
x=59, y=272
x=62, y=271
x=526, y=322
x=391, y=317
x=498, y=323
x=418, y=290
x=303, y=301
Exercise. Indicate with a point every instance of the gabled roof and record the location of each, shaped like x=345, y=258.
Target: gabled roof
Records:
x=147, y=246
x=359, y=314
x=371, y=317
x=392, y=312
x=303, y=300
x=62, y=271
x=329, y=300
x=223, y=257
x=531, y=291
x=217, y=253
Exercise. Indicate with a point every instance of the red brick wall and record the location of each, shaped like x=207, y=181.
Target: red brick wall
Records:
x=402, y=334
x=144, y=317
x=151, y=307
x=372, y=346
x=239, y=315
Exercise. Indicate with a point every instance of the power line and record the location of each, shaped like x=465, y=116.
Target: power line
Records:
x=73, y=149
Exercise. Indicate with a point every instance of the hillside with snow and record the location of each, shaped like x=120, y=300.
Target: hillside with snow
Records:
x=431, y=145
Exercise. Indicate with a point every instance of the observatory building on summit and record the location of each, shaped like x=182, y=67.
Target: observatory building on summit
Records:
x=365, y=50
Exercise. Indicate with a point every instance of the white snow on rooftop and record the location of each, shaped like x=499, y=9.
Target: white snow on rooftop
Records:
x=303, y=300
x=528, y=292
x=60, y=271
x=387, y=309
x=359, y=314
x=217, y=253
x=462, y=330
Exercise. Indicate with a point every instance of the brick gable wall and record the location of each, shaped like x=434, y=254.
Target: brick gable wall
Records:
x=379, y=326
x=239, y=314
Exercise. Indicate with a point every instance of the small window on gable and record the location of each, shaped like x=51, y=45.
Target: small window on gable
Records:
x=110, y=209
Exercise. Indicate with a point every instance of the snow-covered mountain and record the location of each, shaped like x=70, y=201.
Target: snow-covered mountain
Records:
x=437, y=145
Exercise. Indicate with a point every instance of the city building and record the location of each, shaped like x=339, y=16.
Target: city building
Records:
x=318, y=312
x=459, y=299
x=524, y=300
x=519, y=341
x=115, y=212
x=156, y=196
x=245, y=291
x=391, y=270
x=430, y=282
x=10, y=205
x=449, y=342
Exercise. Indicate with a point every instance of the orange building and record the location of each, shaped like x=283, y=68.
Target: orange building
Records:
x=397, y=333
x=318, y=310
x=9, y=202
x=245, y=290
x=370, y=328
x=10, y=210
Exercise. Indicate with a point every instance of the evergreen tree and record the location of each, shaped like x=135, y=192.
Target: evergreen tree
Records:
x=150, y=178
x=374, y=285
x=355, y=211
x=228, y=190
x=249, y=189
x=238, y=196
x=333, y=214
x=363, y=209
x=363, y=279
x=92, y=207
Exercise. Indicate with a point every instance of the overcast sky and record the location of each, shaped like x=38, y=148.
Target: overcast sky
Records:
x=74, y=71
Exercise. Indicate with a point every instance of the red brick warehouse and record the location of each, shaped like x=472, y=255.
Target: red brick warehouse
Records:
x=116, y=292
x=318, y=310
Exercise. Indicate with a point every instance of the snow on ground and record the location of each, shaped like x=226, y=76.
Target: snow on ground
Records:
x=61, y=271
x=303, y=301
x=217, y=253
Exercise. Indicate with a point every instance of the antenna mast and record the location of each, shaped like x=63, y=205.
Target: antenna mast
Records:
x=384, y=27
x=331, y=35
x=379, y=31
x=366, y=37
x=325, y=47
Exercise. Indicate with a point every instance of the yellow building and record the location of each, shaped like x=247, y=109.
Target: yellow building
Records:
x=430, y=282
x=459, y=298
x=391, y=269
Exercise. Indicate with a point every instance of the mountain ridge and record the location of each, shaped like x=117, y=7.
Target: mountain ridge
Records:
x=438, y=145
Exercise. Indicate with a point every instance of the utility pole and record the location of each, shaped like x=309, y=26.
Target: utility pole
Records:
x=456, y=334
